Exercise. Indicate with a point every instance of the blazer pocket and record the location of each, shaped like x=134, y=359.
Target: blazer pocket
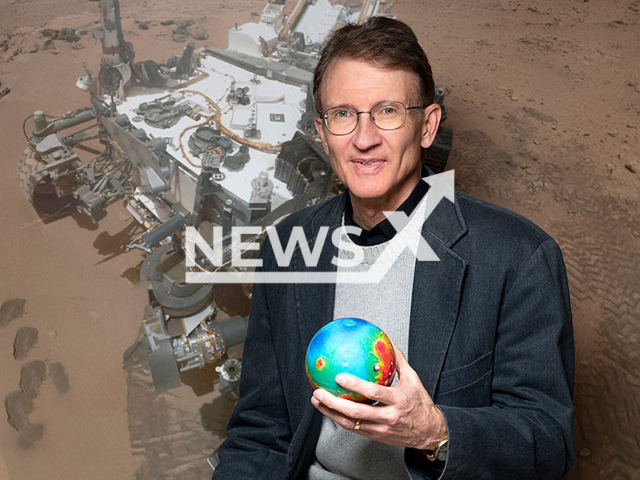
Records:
x=461, y=377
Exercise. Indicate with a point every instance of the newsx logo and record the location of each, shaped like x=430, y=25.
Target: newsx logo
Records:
x=442, y=185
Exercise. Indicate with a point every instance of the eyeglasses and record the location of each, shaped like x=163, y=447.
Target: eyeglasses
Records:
x=384, y=115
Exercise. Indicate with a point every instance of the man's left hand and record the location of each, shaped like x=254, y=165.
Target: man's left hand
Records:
x=404, y=415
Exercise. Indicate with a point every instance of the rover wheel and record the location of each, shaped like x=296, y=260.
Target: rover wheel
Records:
x=38, y=186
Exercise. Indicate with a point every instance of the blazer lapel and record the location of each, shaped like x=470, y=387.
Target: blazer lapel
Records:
x=437, y=287
x=314, y=301
x=314, y=309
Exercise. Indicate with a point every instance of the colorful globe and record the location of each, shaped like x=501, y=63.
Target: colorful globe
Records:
x=349, y=345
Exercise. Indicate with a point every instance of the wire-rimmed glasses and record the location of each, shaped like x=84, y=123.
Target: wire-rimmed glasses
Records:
x=387, y=115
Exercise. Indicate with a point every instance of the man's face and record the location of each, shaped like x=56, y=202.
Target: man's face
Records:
x=380, y=167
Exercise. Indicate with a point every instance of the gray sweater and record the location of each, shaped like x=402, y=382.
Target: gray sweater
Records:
x=342, y=453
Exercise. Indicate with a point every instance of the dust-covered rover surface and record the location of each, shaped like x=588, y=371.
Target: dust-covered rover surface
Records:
x=210, y=138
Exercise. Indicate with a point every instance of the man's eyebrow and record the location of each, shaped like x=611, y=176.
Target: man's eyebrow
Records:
x=346, y=105
x=341, y=105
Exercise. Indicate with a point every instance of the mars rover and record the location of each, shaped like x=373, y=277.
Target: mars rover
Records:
x=210, y=137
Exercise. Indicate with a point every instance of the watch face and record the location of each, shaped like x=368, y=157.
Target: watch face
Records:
x=442, y=453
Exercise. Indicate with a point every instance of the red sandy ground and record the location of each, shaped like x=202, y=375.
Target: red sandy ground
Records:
x=544, y=98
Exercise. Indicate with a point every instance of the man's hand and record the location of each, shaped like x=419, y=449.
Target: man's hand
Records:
x=405, y=414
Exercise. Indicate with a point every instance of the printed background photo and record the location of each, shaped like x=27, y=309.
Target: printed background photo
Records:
x=543, y=98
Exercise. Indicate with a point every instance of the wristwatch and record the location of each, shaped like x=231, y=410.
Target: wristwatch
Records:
x=439, y=452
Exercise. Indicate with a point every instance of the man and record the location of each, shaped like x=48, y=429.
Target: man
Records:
x=485, y=390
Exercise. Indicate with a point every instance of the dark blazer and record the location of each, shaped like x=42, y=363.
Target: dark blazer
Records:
x=490, y=337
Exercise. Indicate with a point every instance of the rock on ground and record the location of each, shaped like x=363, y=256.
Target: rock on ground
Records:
x=18, y=406
x=59, y=377
x=32, y=375
x=10, y=310
x=26, y=339
x=30, y=435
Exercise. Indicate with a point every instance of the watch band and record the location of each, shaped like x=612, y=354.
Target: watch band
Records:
x=439, y=452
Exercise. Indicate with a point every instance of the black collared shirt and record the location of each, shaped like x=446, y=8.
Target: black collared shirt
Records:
x=384, y=231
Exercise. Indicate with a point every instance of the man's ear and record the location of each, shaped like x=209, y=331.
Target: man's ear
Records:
x=321, y=132
x=430, y=122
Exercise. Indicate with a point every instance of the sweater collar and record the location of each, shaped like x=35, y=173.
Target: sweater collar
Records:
x=446, y=223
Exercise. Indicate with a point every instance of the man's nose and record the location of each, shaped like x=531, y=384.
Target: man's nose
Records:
x=366, y=135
